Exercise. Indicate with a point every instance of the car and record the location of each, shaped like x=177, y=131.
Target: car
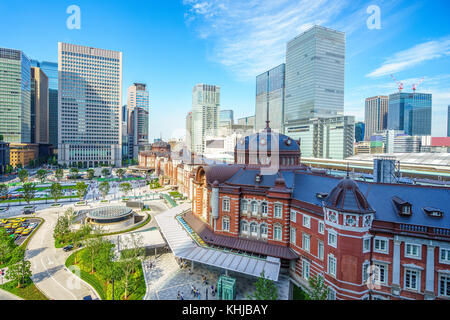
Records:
x=68, y=248
x=19, y=230
x=26, y=232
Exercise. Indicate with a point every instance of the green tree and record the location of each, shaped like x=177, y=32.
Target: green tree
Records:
x=7, y=246
x=41, y=175
x=23, y=175
x=59, y=173
x=90, y=174
x=104, y=188
x=29, y=192
x=265, y=289
x=81, y=188
x=62, y=232
x=74, y=172
x=129, y=259
x=125, y=188
x=93, y=246
x=19, y=272
x=105, y=172
x=3, y=191
x=56, y=191
x=318, y=288
x=79, y=236
x=120, y=173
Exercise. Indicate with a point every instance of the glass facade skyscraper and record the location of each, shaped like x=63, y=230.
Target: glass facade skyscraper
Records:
x=90, y=102
x=138, y=116
x=448, y=122
x=315, y=71
x=39, y=106
x=410, y=112
x=376, y=113
x=226, y=118
x=15, y=96
x=270, y=89
x=51, y=71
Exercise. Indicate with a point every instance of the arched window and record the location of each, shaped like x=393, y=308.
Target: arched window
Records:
x=254, y=208
x=277, y=232
x=244, y=206
x=278, y=211
x=264, y=230
x=254, y=229
x=226, y=224
x=244, y=227
x=264, y=209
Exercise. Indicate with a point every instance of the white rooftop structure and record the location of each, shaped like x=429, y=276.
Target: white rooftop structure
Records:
x=433, y=159
x=183, y=246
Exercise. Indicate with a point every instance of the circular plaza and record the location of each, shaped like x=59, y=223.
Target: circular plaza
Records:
x=113, y=218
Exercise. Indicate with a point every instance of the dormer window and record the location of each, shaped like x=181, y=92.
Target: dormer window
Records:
x=258, y=178
x=406, y=210
x=433, y=212
x=321, y=195
x=403, y=207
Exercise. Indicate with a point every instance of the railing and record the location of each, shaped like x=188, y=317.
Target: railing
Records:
x=430, y=231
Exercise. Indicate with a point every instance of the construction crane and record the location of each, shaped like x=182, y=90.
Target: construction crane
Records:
x=399, y=84
x=414, y=86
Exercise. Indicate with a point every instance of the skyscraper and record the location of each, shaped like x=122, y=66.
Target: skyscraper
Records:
x=205, y=114
x=376, y=113
x=15, y=96
x=89, y=102
x=315, y=68
x=270, y=89
x=410, y=112
x=138, y=103
x=360, y=129
x=51, y=71
x=189, y=131
x=448, y=122
x=226, y=118
x=39, y=106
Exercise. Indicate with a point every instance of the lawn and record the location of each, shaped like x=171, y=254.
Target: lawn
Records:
x=38, y=199
x=29, y=292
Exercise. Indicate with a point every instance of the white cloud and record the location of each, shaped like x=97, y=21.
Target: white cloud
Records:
x=413, y=56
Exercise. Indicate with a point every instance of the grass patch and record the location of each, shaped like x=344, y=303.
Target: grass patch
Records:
x=39, y=199
x=29, y=292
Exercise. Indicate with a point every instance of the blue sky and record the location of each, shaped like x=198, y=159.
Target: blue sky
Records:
x=174, y=44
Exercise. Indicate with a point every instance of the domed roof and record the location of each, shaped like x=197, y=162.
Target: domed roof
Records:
x=347, y=197
x=263, y=140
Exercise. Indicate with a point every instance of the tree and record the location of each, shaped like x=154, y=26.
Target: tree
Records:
x=125, y=188
x=29, y=192
x=59, y=173
x=19, y=272
x=105, y=172
x=319, y=290
x=74, y=172
x=62, y=227
x=120, y=173
x=90, y=174
x=7, y=246
x=104, y=188
x=3, y=191
x=129, y=258
x=81, y=188
x=265, y=289
x=41, y=175
x=56, y=191
x=93, y=246
x=79, y=236
x=23, y=175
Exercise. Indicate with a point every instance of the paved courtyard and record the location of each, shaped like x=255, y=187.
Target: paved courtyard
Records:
x=166, y=279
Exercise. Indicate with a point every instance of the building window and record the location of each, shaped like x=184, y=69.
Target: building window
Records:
x=226, y=204
x=306, y=242
x=244, y=227
x=366, y=245
x=254, y=229
x=365, y=273
x=278, y=211
x=413, y=250
x=381, y=245
x=264, y=231
x=412, y=279
x=306, y=221
x=332, y=264
x=264, y=209
x=320, y=250
x=444, y=256
x=277, y=233
x=321, y=227
x=305, y=269
x=226, y=224
x=293, y=216
x=331, y=294
x=380, y=273
x=444, y=285
x=254, y=208
x=332, y=239
x=293, y=235
x=244, y=206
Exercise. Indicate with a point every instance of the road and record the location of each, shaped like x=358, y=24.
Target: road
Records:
x=4, y=295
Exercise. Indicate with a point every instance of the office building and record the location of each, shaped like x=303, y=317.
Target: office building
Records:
x=89, y=102
x=359, y=131
x=247, y=121
x=410, y=112
x=226, y=118
x=376, y=113
x=328, y=138
x=205, y=114
x=21, y=154
x=138, y=121
x=407, y=144
x=188, y=139
x=15, y=96
x=315, y=70
x=270, y=89
x=448, y=122
x=51, y=71
x=39, y=106
x=4, y=156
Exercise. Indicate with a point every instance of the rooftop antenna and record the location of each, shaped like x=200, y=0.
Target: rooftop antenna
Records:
x=399, y=84
x=348, y=168
x=268, y=114
x=415, y=85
